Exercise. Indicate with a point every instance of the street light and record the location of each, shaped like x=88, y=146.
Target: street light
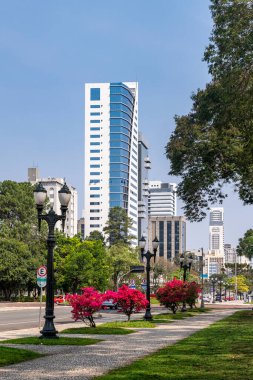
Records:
x=220, y=283
x=148, y=255
x=213, y=281
x=186, y=260
x=51, y=218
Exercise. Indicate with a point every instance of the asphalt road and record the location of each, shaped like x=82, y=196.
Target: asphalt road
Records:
x=23, y=317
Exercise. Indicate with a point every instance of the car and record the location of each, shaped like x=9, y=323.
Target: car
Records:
x=59, y=299
x=206, y=299
x=109, y=304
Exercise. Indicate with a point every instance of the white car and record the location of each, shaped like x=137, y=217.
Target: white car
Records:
x=109, y=304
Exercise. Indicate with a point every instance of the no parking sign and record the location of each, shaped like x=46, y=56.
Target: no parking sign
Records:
x=42, y=276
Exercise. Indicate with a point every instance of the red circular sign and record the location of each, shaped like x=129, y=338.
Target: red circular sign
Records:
x=42, y=271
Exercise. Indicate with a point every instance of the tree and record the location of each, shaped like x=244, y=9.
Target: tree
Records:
x=241, y=283
x=81, y=263
x=128, y=300
x=213, y=144
x=96, y=235
x=245, y=246
x=15, y=267
x=85, y=305
x=18, y=224
x=118, y=226
x=121, y=258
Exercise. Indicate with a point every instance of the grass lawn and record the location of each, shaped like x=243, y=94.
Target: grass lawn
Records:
x=139, y=324
x=14, y=355
x=98, y=330
x=169, y=317
x=154, y=301
x=223, y=351
x=52, y=342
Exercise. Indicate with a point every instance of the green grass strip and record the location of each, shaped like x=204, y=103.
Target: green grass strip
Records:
x=98, y=330
x=133, y=324
x=15, y=355
x=169, y=317
x=223, y=351
x=52, y=342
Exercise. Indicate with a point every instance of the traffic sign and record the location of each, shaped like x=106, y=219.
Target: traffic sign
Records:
x=137, y=269
x=41, y=282
x=42, y=272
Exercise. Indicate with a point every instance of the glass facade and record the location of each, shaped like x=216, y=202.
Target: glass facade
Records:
x=161, y=238
x=177, y=238
x=169, y=250
x=121, y=118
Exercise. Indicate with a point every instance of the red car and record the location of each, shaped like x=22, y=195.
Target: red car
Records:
x=59, y=299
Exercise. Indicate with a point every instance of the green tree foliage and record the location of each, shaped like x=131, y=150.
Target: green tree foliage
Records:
x=18, y=225
x=15, y=267
x=117, y=227
x=96, y=235
x=213, y=144
x=121, y=258
x=80, y=263
x=245, y=246
x=242, y=283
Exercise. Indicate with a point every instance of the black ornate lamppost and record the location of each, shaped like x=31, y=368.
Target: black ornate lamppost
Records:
x=213, y=281
x=148, y=255
x=220, y=283
x=186, y=260
x=51, y=218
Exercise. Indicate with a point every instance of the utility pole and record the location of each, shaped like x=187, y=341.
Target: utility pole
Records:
x=202, y=305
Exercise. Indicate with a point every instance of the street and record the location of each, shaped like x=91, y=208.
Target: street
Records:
x=23, y=317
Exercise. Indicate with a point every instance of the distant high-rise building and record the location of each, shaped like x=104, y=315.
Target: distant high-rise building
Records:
x=171, y=233
x=81, y=227
x=111, y=152
x=216, y=230
x=162, y=199
x=143, y=168
x=53, y=185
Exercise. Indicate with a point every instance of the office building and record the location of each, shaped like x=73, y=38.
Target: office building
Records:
x=81, y=227
x=111, y=152
x=53, y=185
x=143, y=186
x=216, y=231
x=171, y=233
x=162, y=199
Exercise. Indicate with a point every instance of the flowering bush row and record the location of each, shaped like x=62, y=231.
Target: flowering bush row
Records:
x=177, y=292
x=90, y=301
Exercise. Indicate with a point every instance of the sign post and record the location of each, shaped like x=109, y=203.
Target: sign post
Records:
x=41, y=282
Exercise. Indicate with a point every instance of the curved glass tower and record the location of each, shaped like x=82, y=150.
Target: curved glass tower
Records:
x=111, y=152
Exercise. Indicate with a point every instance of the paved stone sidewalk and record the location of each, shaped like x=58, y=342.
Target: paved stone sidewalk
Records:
x=85, y=362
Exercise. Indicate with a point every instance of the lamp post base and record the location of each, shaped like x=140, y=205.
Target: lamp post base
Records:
x=148, y=315
x=49, y=330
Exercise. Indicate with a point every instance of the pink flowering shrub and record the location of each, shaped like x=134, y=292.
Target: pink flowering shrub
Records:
x=192, y=292
x=175, y=292
x=128, y=300
x=85, y=305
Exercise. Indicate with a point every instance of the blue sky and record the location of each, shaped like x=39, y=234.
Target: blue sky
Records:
x=50, y=48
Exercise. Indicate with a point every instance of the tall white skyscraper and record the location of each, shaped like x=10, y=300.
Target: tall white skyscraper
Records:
x=162, y=199
x=111, y=152
x=216, y=230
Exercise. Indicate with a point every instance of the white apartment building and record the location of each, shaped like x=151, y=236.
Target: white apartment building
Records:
x=216, y=231
x=162, y=199
x=111, y=152
x=53, y=185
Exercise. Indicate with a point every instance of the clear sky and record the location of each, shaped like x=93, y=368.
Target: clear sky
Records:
x=50, y=48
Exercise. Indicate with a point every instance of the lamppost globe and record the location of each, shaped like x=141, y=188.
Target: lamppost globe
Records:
x=40, y=194
x=142, y=242
x=155, y=244
x=64, y=195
